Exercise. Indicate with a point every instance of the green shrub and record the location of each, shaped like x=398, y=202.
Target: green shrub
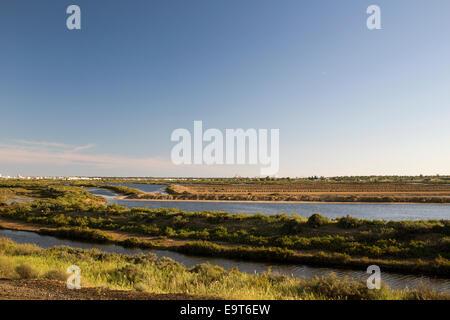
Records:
x=349, y=222
x=78, y=233
x=131, y=242
x=317, y=220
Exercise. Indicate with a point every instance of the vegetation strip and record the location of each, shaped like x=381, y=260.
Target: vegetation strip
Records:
x=147, y=273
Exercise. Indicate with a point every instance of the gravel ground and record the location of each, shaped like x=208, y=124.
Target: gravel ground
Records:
x=56, y=290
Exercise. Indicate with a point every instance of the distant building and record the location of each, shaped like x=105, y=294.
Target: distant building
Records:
x=78, y=178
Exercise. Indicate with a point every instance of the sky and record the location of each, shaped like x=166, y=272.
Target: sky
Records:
x=104, y=100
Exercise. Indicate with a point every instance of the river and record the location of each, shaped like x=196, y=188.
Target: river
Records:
x=378, y=211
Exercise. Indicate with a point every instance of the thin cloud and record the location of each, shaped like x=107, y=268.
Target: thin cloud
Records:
x=53, y=153
x=81, y=148
x=63, y=155
x=44, y=144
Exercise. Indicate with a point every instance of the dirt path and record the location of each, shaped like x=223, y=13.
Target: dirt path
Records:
x=57, y=290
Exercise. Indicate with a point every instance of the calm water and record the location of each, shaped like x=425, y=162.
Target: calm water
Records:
x=331, y=210
x=394, y=280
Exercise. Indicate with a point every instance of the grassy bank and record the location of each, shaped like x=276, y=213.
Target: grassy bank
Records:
x=148, y=273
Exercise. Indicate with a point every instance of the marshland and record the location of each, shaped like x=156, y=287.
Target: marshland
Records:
x=418, y=248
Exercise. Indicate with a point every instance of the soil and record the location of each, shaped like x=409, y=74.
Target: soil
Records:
x=57, y=290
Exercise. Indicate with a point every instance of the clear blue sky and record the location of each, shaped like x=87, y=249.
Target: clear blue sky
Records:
x=104, y=100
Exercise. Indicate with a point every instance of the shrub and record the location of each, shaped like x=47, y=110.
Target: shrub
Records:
x=293, y=226
x=423, y=292
x=349, y=222
x=26, y=249
x=26, y=271
x=59, y=275
x=77, y=233
x=131, y=242
x=6, y=267
x=317, y=220
x=129, y=273
x=208, y=272
x=140, y=287
x=333, y=288
x=180, y=222
x=168, y=263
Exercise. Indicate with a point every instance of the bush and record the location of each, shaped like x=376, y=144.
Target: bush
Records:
x=6, y=267
x=59, y=275
x=317, y=220
x=140, y=287
x=131, y=242
x=180, y=222
x=423, y=292
x=77, y=233
x=129, y=273
x=26, y=271
x=208, y=272
x=349, y=222
x=331, y=287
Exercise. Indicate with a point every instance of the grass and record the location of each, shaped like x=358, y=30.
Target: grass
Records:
x=148, y=273
x=77, y=233
x=127, y=191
